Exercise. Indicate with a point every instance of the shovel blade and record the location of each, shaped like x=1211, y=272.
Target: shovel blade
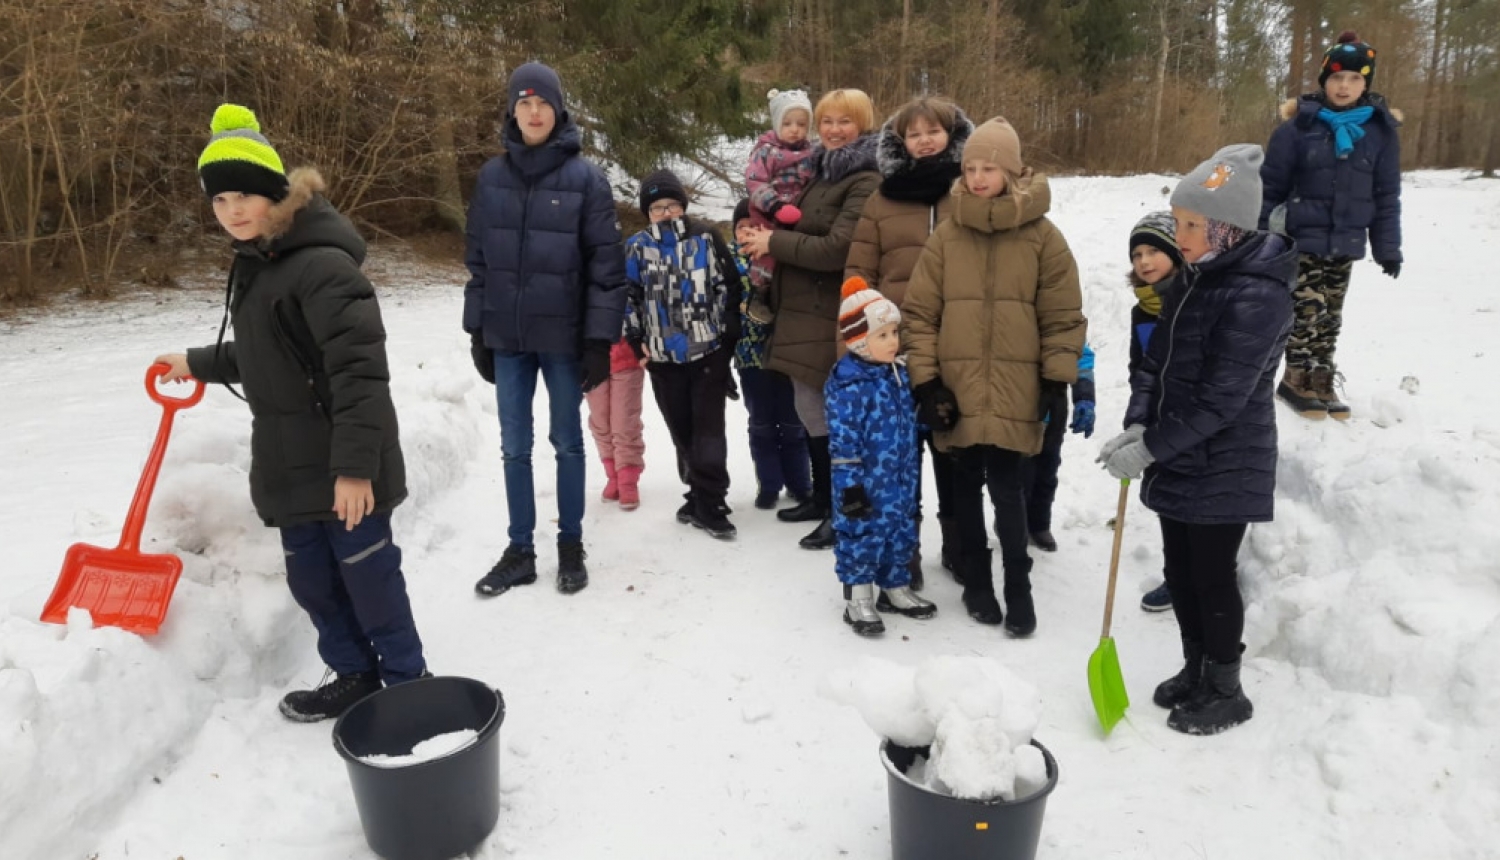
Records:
x=120, y=588
x=1107, y=685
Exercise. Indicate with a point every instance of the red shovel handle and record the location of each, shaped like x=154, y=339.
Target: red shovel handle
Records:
x=135, y=521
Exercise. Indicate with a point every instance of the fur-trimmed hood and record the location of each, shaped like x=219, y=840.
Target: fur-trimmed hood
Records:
x=1309, y=104
x=305, y=219
x=891, y=155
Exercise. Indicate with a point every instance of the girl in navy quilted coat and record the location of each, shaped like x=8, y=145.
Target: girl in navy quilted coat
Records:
x=1201, y=424
x=872, y=438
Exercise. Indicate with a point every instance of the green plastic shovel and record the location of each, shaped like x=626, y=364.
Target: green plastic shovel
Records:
x=1106, y=686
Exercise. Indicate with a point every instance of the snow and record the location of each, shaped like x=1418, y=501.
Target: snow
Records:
x=672, y=710
x=424, y=751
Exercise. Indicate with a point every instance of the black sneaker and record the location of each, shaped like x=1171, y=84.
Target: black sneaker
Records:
x=572, y=574
x=807, y=511
x=1158, y=599
x=329, y=700
x=766, y=501
x=516, y=567
x=685, y=513
x=710, y=517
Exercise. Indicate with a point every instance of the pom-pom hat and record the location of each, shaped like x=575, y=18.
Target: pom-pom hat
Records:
x=238, y=158
x=862, y=311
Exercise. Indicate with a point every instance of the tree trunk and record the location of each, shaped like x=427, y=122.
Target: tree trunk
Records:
x=1427, y=139
x=446, y=186
x=903, y=67
x=1298, y=51
x=1161, y=87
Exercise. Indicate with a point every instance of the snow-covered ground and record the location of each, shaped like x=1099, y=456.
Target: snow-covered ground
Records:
x=672, y=710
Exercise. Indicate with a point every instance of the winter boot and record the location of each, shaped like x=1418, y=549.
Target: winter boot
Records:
x=1020, y=614
x=979, y=588
x=949, y=552
x=1181, y=686
x=758, y=308
x=710, y=516
x=859, y=610
x=611, y=482
x=685, y=513
x=572, y=574
x=1296, y=389
x=630, y=487
x=516, y=567
x=817, y=507
x=1218, y=705
x=765, y=500
x=330, y=699
x=903, y=601
x=1158, y=599
x=821, y=537
x=1044, y=541
x=1322, y=381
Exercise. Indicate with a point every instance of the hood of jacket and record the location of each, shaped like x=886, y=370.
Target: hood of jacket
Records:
x=1264, y=255
x=997, y=214
x=834, y=165
x=305, y=219
x=1305, y=108
x=533, y=161
x=856, y=370
x=892, y=157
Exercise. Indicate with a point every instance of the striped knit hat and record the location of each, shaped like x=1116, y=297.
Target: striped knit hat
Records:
x=863, y=310
x=238, y=158
x=1159, y=230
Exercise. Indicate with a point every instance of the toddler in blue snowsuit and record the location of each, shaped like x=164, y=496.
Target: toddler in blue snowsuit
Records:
x=872, y=439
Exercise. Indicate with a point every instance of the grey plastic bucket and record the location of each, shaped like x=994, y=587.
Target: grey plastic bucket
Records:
x=437, y=809
x=927, y=825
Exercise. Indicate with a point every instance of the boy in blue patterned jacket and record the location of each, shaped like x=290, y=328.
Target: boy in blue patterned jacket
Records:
x=682, y=317
x=872, y=438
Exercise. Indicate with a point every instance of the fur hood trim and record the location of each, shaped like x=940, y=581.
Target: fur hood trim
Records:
x=304, y=182
x=1289, y=109
x=893, y=158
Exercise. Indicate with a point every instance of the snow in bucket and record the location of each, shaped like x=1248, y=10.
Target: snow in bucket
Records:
x=976, y=715
x=433, y=748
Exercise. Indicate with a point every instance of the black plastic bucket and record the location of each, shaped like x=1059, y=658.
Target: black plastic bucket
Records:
x=926, y=825
x=438, y=809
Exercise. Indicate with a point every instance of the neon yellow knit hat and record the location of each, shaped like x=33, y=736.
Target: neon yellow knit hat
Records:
x=238, y=158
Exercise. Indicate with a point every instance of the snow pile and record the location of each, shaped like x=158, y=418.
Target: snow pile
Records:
x=976, y=716
x=433, y=748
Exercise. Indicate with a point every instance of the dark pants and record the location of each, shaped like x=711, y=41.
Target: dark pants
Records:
x=1039, y=476
x=515, y=388
x=973, y=468
x=691, y=398
x=1322, y=285
x=942, y=474
x=778, y=442
x=350, y=584
x=1203, y=576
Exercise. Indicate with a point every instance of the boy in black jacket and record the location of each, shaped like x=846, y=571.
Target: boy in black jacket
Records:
x=326, y=466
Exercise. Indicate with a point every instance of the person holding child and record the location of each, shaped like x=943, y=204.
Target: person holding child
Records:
x=919, y=156
x=683, y=318
x=994, y=326
x=1201, y=425
x=872, y=439
x=805, y=285
x=325, y=450
x=1335, y=165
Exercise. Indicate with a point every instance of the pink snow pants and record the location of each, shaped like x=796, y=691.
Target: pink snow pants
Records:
x=615, y=418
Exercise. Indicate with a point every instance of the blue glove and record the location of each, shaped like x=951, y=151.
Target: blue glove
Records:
x=1129, y=460
x=1083, y=418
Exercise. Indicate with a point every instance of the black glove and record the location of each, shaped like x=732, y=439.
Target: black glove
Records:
x=595, y=364
x=936, y=405
x=1392, y=268
x=856, y=503
x=732, y=391
x=1054, y=405
x=484, y=357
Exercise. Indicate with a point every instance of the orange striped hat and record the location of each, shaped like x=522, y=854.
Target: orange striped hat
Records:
x=863, y=310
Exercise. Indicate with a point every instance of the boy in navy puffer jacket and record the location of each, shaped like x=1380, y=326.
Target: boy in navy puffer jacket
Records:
x=872, y=438
x=1335, y=167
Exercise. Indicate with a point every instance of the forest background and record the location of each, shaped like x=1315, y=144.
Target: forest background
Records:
x=104, y=104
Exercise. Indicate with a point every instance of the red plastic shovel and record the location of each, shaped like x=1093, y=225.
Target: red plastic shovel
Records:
x=124, y=587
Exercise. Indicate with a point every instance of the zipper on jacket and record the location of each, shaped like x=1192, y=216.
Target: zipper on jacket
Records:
x=521, y=267
x=1191, y=272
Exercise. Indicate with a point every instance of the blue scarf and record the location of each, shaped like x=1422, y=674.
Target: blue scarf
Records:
x=1347, y=127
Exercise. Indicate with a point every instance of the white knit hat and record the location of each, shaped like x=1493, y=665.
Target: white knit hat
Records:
x=784, y=100
x=862, y=311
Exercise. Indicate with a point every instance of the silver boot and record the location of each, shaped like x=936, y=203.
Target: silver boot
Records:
x=904, y=601
x=859, y=610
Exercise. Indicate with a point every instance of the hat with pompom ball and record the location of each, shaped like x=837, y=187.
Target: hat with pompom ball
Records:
x=238, y=158
x=862, y=311
x=1349, y=54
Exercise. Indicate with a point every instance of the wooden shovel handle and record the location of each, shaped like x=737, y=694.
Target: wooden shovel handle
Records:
x=1114, y=557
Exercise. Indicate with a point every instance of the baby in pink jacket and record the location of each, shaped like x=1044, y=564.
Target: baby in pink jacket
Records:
x=779, y=169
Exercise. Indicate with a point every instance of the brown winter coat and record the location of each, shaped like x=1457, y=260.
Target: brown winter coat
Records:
x=889, y=239
x=809, y=274
x=993, y=308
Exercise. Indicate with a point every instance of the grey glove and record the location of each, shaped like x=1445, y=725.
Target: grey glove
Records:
x=1132, y=433
x=1129, y=460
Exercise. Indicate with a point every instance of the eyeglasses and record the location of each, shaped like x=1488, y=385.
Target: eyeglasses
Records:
x=669, y=207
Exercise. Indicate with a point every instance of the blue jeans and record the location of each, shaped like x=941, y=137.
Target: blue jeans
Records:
x=515, y=388
x=350, y=584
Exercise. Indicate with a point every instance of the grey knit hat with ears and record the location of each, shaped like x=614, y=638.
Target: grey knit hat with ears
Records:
x=1226, y=187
